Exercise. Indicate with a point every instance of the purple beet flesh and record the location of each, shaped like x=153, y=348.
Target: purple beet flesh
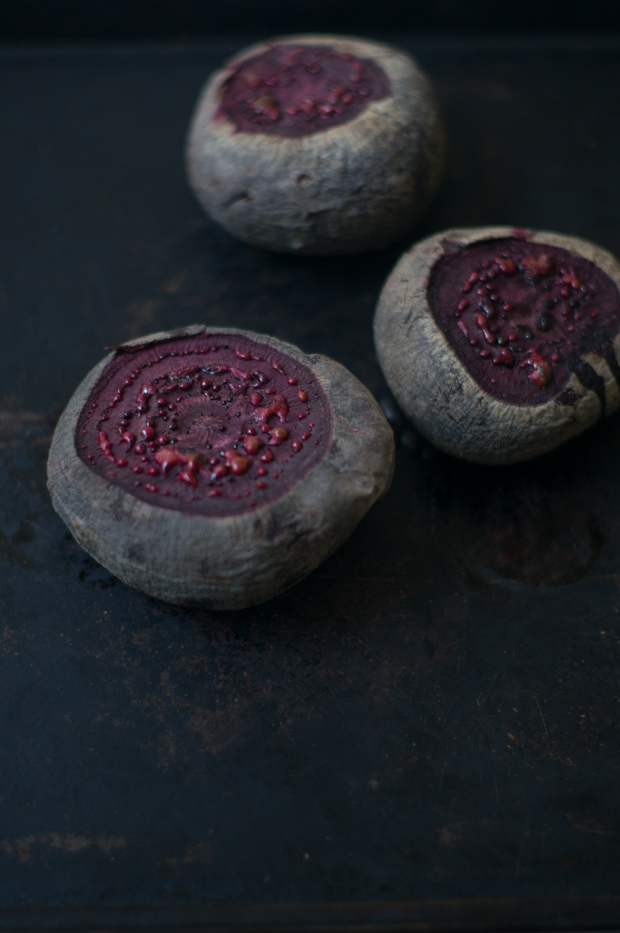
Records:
x=213, y=424
x=520, y=316
x=297, y=90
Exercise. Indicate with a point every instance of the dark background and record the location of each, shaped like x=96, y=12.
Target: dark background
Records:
x=423, y=734
x=104, y=20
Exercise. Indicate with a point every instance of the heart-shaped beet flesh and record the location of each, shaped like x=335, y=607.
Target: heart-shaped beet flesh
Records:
x=212, y=424
x=296, y=90
x=521, y=315
x=216, y=468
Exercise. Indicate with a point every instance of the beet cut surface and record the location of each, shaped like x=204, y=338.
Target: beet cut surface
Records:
x=296, y=90
x=521, y=315
x=215, y=424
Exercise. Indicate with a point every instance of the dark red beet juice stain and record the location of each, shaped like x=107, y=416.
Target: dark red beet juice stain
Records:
x=296, y=90
x=213, y=424
x=520, y=316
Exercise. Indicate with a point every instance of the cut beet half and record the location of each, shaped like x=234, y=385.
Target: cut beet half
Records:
x=316, y=144
x=199, y=465
x=508, y=340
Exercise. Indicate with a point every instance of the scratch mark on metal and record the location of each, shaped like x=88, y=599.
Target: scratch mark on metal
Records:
x=541, y=716
x=482, y=701
x=525, y=833
x=67, y=842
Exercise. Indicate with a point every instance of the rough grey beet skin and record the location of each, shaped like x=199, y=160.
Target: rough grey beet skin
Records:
x=356, y=186
x=230, y=561
x=556, y=371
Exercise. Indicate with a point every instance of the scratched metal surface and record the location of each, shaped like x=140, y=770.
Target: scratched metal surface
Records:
x=425, y=730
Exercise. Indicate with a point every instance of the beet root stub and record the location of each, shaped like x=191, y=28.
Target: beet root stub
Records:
x=216, y=468
x=501, y=343
x=316, y=145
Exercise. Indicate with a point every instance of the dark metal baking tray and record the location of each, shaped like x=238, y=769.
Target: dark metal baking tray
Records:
x=423, y=734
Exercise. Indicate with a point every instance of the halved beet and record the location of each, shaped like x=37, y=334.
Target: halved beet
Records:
x=215, y=467
x=500, y=344
x=316, y=144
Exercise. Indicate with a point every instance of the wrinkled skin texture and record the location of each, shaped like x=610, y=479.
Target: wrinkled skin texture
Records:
x=357, y=186
x=437, y=391
x=238, y=560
